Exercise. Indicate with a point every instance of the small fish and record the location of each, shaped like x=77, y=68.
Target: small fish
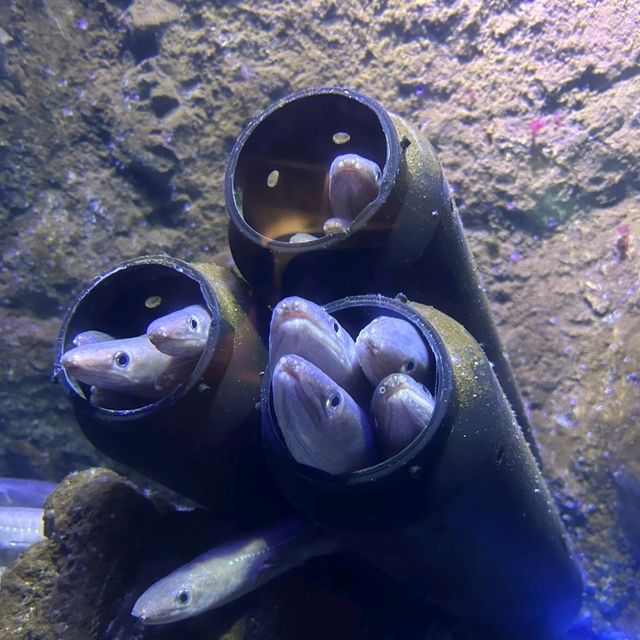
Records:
x=20, y=527
x=90, y=337
x=304, y=328
x=100, y=397
x=391, y=345
x=322, y=425
x=401, y=410
x=128, y=365
x=354, y=182
x=183, y=333
x=18, y=492
x=231, y=570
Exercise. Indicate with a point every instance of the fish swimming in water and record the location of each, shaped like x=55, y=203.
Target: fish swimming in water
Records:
x=321, y=424
x=392, y=345
x=183, y=333
x=20, y=527
x=129, y=365
x=19, y=492
x=304, y=328
x=401, y=409
x=231, y=570
x=354, y=182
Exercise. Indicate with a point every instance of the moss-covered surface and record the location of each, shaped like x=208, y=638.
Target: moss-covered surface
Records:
x=115, y=124
x=106, y=543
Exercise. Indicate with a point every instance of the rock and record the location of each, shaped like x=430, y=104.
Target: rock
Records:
x=532, y=107
x=105, y=543
x=5, y=38
x=145, y=20
x=626, y=460
x=85, y=519
x=627, y=478
x=163, y=101
x=150, y=14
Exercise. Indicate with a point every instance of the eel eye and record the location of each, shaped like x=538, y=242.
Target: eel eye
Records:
x=408, y=366
x=122, y=359
x=183, y=596
x=336, y=327
x=334, y=401
x=193, y=324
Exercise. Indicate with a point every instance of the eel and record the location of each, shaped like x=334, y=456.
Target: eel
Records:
x=354, y=182
x=183, y=333
x=18, y=492
x=322, y=425
x=231, y=570
x=303, y=328
x=20, y=527
x=128, y=365
x=401, y=409
x=392, y=345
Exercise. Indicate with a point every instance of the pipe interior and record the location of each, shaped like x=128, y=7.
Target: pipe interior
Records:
x=280, y=182
x=123, y=304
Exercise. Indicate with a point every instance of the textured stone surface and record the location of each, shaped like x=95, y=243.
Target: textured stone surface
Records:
x=115, y=124
x=106, y=543
x=53, y=589
x=152, y=14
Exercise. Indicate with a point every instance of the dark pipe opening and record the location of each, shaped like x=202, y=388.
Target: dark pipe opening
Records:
x=461, y=516
x=388, y=492
x=409, y=239
x=277, y=178
x=201, y=439
x=122, y=303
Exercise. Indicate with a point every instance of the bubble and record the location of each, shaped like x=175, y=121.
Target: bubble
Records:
x=273, y=178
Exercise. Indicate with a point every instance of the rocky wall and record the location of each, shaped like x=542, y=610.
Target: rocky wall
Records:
x=117, y=118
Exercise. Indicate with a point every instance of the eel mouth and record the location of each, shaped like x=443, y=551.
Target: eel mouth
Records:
x=297, y=313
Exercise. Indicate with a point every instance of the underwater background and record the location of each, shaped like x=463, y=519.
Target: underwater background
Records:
x=117, y=120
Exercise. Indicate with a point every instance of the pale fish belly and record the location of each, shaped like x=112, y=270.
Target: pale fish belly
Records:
x=20, y=527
